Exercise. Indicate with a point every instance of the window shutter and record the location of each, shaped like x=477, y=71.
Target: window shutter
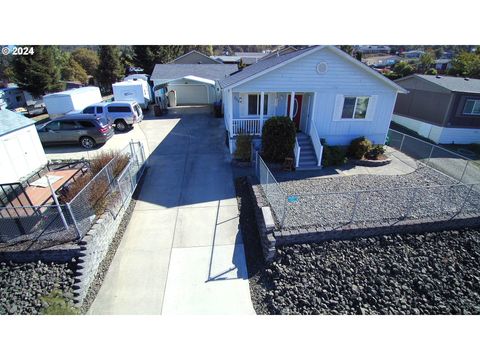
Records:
x=337, y=110
x=372, y=104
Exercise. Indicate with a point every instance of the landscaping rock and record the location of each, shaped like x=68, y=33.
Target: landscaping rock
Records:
x=429, y=273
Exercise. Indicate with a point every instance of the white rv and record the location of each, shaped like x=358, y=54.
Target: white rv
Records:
x=61, y=103
x=134, y=90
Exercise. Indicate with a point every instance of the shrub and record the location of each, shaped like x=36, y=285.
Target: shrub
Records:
x=431, y=71
x=99, y=161
x=333, y=156
x=56, y=304
x=74, y=187
x=278, y=138
x=121, y=160
x=244, y=147
x=359, y=147
x=375, y=152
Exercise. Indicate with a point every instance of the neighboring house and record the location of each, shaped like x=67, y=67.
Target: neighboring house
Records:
x=227, y=59
x=373, y=49
x=194, y=57
x=13, y=97
x=382, y=61
x=445, y=109
x=22, y=152
x=443, y=65
x=328, y=94
x=193, y=83
x=412, y=54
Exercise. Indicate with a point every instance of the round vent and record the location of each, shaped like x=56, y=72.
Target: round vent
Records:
x=322, y=68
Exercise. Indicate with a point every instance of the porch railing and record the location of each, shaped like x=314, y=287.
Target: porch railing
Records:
x=296, y=151
x=317, y=145
x=246, y=126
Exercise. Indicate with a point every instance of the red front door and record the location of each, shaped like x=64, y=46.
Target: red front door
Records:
x=297, y=109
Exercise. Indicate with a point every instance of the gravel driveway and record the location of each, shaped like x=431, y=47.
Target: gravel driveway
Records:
x=331, y=201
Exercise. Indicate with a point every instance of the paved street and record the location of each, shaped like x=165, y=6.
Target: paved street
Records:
x=182, y=252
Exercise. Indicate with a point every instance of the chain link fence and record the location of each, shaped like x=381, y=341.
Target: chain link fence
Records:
x=384, y=205
x=71, y=218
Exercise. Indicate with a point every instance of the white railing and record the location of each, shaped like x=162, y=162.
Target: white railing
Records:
x=317, y=145
x=296, y=151
x=246, y=126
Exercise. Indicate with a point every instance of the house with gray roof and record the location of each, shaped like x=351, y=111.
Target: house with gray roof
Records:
x=20, y=147
x=444, y=109
x=328, y=94
x=193, y=84
x=195, y=57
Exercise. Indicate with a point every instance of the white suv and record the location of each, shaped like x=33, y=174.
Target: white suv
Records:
x=122, y=114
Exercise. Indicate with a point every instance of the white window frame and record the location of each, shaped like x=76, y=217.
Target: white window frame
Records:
x=266, y=98
x=476, y=101
x=369, y=97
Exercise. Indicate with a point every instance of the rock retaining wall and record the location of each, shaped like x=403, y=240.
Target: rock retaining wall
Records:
x=94, y=247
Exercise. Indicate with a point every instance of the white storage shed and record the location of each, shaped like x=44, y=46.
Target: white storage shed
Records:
x=21, y=152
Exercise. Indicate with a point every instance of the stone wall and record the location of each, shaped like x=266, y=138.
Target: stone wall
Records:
x=94, y=247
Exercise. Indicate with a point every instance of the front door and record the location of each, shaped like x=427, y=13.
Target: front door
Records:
x=297, y=109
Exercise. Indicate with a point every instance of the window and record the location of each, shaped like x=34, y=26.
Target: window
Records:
x=254, y=104
x=472, y=107
x=86, y=124
x=18, y=98
x=355, y=107
x=68, y=125
x=99, y=110
x=119, y=109
x=54, y=125
x=89, y=110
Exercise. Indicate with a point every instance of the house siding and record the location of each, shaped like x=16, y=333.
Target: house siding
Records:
x=342, y=78
x=456, y=119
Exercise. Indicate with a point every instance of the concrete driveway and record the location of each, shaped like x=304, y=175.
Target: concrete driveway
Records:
x=182, y=252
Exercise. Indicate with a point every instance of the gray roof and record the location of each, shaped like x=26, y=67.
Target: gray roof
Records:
x=11, y=121
x=206, y=71
x=452, y=83
x=260, y=66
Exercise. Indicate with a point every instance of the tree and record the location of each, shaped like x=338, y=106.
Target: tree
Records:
x=38, y=73
x=403, y=69
x=466, y=64
x=431, y=71
x=347, y=48
x=109, y=69
x=73, y=71
x=87, y=58
x=146, y=56
x=426, y=61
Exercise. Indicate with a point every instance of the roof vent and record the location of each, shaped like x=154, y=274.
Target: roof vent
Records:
x=322, y=68
x=466, y=79
x=438, y=77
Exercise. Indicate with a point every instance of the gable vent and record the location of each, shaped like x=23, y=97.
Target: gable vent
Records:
x=322, y=68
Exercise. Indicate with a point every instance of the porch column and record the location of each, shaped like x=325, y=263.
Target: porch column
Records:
x=262, y=102
x=230, y=112
x=292, y=102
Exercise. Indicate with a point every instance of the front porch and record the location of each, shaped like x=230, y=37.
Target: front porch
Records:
x=246, y=113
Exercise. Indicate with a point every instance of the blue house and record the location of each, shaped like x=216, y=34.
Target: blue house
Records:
x=326, y=92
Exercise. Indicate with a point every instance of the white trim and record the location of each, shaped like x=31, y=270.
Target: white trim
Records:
x=370, y=101
x=335, y=50
x=292, y=104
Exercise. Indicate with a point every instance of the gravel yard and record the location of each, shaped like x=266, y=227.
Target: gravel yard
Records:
x=330, y=201
x=23, y=285
x=429, y=273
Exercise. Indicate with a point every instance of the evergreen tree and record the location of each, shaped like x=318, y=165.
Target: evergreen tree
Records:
x=109, y=69
x=87, y=58
x=38, y=73
x=73, y=71
x=146, y=56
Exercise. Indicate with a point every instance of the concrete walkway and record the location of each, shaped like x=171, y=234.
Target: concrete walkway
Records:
x=182, y=252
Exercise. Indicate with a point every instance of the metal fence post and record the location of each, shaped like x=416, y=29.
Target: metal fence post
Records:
x=77, y=229
x=357, y=196
x=464, y=170
x=59, y=208
x=401, y=143
x=266, y=185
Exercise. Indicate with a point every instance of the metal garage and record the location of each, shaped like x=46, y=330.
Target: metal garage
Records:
x=192, y=90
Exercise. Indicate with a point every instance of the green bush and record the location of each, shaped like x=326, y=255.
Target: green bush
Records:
x=333, y=156
x=359, y=147
x=56, y=304
x=431, y=71
x=243, y=151
x=278, y=138
x=375, y=152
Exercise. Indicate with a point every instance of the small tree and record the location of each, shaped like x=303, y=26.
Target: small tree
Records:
x=278, y=138
x=403, y=68
x=426, y=61
x=431, y=71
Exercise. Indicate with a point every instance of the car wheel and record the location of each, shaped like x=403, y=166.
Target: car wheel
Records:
x=87, y=142
x=121, y=125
